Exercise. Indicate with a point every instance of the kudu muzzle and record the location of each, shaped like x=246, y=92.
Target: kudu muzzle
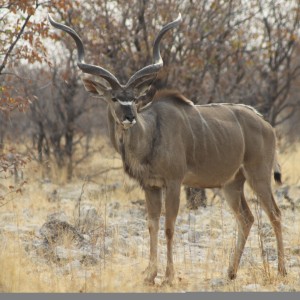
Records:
x=129, y=117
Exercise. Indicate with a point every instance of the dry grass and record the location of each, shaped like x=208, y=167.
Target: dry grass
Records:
x=290, y=165
x=116, y=273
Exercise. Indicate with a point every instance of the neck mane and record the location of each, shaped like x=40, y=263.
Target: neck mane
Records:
x=173, y=95
x=136, y=145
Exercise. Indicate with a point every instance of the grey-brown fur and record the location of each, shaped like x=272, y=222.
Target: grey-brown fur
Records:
x=166, y=141
x=174, y=143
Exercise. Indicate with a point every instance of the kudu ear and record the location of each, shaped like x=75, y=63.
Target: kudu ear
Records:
x=97, y=86
x=142, y=87
x=146, y=98
x=144, y=92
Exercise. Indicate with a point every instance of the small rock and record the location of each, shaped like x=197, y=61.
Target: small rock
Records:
x=86, y=237
x=58, y=232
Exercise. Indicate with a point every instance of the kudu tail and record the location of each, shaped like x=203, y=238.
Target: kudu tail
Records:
x=277, y=170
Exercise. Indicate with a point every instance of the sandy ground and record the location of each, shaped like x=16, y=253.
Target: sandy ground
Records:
x=91, y=236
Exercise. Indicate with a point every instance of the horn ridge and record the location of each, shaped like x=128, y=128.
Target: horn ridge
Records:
x=158, y=62
x=163, y=31
x=73, y=34
x=86, y=68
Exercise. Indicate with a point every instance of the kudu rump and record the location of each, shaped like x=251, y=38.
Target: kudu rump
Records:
x=167, y=141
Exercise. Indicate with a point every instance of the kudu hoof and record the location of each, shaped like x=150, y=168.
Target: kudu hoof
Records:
x=150, y=274
x=282, y=272
x=231, y=274
x=167, y=282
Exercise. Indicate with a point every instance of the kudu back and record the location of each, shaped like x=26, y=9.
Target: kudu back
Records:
x=168, y=141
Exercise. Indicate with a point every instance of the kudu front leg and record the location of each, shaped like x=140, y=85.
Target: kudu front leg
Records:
x=172, y=206
x=153, y=201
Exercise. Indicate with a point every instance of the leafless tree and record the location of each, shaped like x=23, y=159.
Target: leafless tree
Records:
x=277, y=66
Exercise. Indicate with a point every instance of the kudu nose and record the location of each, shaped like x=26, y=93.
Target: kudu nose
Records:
x=129, y=121
x=130, y=118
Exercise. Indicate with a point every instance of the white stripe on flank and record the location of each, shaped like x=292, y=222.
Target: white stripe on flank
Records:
x=128, y=103
x=231, y=104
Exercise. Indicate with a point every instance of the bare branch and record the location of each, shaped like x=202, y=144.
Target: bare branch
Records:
x=10, y=49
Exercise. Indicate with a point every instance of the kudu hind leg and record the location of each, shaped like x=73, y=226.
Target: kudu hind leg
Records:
x=264, y=193
x=235, y=198
x=153, y=202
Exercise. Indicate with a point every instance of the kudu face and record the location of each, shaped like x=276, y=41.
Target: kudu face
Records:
x=123, y=108
x=121, y=102
x=122, y=99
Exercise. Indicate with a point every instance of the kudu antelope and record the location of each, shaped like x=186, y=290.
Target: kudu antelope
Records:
x=170, y=141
